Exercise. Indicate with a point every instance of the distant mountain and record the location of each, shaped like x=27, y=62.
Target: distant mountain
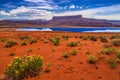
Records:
x=62, y=21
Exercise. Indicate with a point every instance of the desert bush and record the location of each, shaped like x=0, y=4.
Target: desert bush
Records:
x=29, y=50
x=46, y=41
x=93, y=38
x=11, y=54
x=3, y=39
x=91, y=59
x=114, y=37
x=65, y=55
x=72, y=44
x=107, y=45
x=23, y=67
x=108, y=50
x=23, y=43
x=76, y=36
x=10, y=43
x=88, y=52
x=118, y=54
x=85, y=37
x=115, y=42
x=80, y=37
x=112, y=63
x=118, y=60
x=74, y=52
x=65, y=37
x=24, y=37
x=32, y=41
x=48, y=64
x=103, y=39
x=55, y=41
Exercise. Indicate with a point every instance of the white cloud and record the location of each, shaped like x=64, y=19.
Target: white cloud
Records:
x=44, y=4
x=36, y=1
x=109, y=12
x=72, y=6
x=46, y=7
x=26, y=14
x=81, y=7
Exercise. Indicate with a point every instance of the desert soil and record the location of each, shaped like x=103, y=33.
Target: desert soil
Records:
x=71, y=68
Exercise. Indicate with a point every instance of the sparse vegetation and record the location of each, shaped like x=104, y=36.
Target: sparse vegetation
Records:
x=85, y=37
x=93, y=38
x=24, y=43
x=108, y=50
x=74, y=52
x=103, y=39
x=107, y=45
x=55, y=41
x=23, y=67
x=11, y=54
x=115, y=42
x=24, y=37
x=91, y=59
x=65, y=37
x=10, y=43
x=112, y=63
x=29, y=50
x=48, y=64
x=32, y=41
x=88, y=52
x=72, y=44
x=114, y=37
x=65, y=55
x=118, y=54
x=3, y=39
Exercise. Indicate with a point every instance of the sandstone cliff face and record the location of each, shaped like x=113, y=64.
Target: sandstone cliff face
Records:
x=62, y=21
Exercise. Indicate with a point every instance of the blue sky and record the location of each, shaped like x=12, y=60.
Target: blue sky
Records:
x=47, y=9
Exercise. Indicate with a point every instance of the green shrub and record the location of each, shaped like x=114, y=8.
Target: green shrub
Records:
x=115, y=42
x=65, y=55
x=24, y=43
x=114, y=37
x=55, y=41
x=23, y=67
x=65, y=37
x=118, y=55
x=112, y=63
x=72, y=44
x=11, y=54
x=108, y=50
x=93, y=38
x=91, y=59
x=74, y=52
x=103, y=39
x=10, y=44
x=85, y=37
x=32, y=41
x=24, y=37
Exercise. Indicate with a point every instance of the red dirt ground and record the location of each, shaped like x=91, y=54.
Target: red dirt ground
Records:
x=71, y=68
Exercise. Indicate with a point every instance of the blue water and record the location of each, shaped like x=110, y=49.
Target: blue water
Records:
x=100, y=29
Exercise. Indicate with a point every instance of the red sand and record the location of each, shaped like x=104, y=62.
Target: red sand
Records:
x=71, y=68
